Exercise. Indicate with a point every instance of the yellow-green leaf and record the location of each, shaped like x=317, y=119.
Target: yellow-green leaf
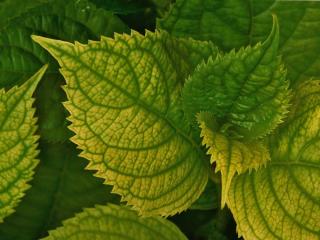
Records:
x=124, y=100
x=230, y=155
x=282, y=201
x=115, y=222
x=17, y=142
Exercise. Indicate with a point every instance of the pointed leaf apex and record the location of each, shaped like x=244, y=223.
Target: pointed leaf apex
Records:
x=55, y=47
x=226, y=179
x=39, y=74
x=30, y=85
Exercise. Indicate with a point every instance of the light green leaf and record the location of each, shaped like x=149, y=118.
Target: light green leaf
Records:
x=236, y=23
x=124, y=100
x=246, y=89
x=282, y=201
x=17, y=142
x=230, y=155
x=115, y=222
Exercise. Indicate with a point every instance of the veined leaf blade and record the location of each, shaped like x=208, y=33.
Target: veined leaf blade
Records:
x=124, y=98
x=245, y=89
x=282, y=201
x=18, y=144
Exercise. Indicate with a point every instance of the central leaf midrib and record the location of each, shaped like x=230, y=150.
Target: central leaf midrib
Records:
x=154, y=174
x=246, y=79
x=281, y=205
x=138, y=101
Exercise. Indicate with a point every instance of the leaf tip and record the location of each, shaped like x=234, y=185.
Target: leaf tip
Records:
x=57, y=48
x=33, y=82
x=226, y=179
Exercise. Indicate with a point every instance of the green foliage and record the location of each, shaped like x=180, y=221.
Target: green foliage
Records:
x=60, y=188
x=54, y=195
x=76, y=20
x=285, y=193
x=163, y=120
x=132, y=120
x=234, y=24
x=115, y=222
x=18, y=142
x=230, y=155
x=246, y=96
x=246, y=89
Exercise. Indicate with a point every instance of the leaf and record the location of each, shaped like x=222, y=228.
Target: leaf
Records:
x=230, y=155
x=246, y=89
x=18, y=143
x=115, y=222
x=282, y=201
x=75, y=20
x=124, y=103
x=233, y=23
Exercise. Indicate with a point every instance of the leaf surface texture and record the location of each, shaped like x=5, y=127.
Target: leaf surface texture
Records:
x=282, y=201
x=231, y=155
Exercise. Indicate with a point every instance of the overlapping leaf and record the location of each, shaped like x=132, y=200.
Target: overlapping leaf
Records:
x=282, y=201
x=17, y=143
x=247, y=89
x=124, y=98
x=115, y=222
